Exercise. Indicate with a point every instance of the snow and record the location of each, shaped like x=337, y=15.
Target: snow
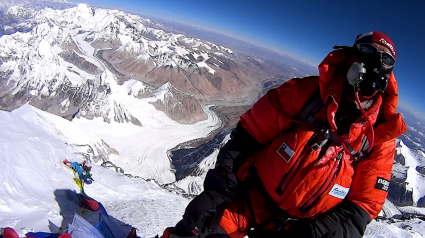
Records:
x=389, y=210
x=396, y=230
x=163, y=91
x=83, y=12
x=37, y=51
x=413, y=210
x=75, y=75
x=143, y=150
x=415, y=181
x=399, y=171
x=32, y=173
x=7, y=65
x=181, y=51
x=204, y=65
x=63, y=130
x=134, y=86
x=92, y=59
x=86, y=47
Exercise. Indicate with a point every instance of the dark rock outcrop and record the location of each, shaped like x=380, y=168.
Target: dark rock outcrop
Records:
x=186, y=161
x=399, y=195
x=72, y=57
x=179, y=106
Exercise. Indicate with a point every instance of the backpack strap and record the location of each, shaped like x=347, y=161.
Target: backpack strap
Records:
x=313, y=105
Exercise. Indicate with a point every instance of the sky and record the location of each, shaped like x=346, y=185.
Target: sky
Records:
x=307, y=29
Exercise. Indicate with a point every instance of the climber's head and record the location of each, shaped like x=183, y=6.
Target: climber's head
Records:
x=376, y=54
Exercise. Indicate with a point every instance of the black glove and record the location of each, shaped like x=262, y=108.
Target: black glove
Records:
x=221, y=179
x=299, y=228
x=204, y=212
x=266, y=233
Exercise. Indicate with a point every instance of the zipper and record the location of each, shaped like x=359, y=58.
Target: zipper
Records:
x=288, y=176
x=319, y=194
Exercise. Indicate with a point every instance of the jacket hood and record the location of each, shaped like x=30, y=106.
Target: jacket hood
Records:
x=394, y=125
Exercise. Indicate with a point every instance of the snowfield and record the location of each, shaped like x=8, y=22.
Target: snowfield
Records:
x=31, y=158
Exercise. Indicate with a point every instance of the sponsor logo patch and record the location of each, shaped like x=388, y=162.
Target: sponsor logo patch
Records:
x=382, y=184
x=285, y=152
x=339, y=191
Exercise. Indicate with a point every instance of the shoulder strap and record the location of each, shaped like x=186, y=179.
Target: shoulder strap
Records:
x=313, y=105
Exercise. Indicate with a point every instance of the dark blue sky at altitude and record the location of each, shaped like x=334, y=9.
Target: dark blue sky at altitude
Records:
x=307, y=29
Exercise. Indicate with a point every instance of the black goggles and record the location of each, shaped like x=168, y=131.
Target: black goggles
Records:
x=371, y=51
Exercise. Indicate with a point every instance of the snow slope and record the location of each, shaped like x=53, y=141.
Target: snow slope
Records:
x=77, y=139
x=32, y=170
x=401, y=229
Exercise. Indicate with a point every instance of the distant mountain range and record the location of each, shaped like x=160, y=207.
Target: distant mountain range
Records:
x=63, y=61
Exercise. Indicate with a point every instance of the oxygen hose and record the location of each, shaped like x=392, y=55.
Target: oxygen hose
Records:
x=368, y=121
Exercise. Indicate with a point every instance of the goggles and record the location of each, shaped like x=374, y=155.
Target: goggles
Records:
x=372, y=51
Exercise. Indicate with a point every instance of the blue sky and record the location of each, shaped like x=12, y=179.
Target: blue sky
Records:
x=307, y=29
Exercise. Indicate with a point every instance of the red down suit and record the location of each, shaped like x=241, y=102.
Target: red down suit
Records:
x=307, y=183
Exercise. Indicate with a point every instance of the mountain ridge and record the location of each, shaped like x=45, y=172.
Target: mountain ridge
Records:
x=68, y=48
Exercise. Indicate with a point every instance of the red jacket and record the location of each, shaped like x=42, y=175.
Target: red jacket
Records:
x=310, y=186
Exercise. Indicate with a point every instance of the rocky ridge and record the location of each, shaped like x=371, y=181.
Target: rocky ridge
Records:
x=173, y=101
x=406, y=187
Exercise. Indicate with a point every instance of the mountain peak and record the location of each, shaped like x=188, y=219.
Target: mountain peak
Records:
x=83, y=12
x=178, y=105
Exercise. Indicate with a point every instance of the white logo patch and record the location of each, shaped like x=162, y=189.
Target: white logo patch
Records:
x=339, y=191
x=388, y=44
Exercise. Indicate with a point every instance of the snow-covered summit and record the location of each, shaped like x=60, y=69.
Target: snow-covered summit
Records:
x=83, y=12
